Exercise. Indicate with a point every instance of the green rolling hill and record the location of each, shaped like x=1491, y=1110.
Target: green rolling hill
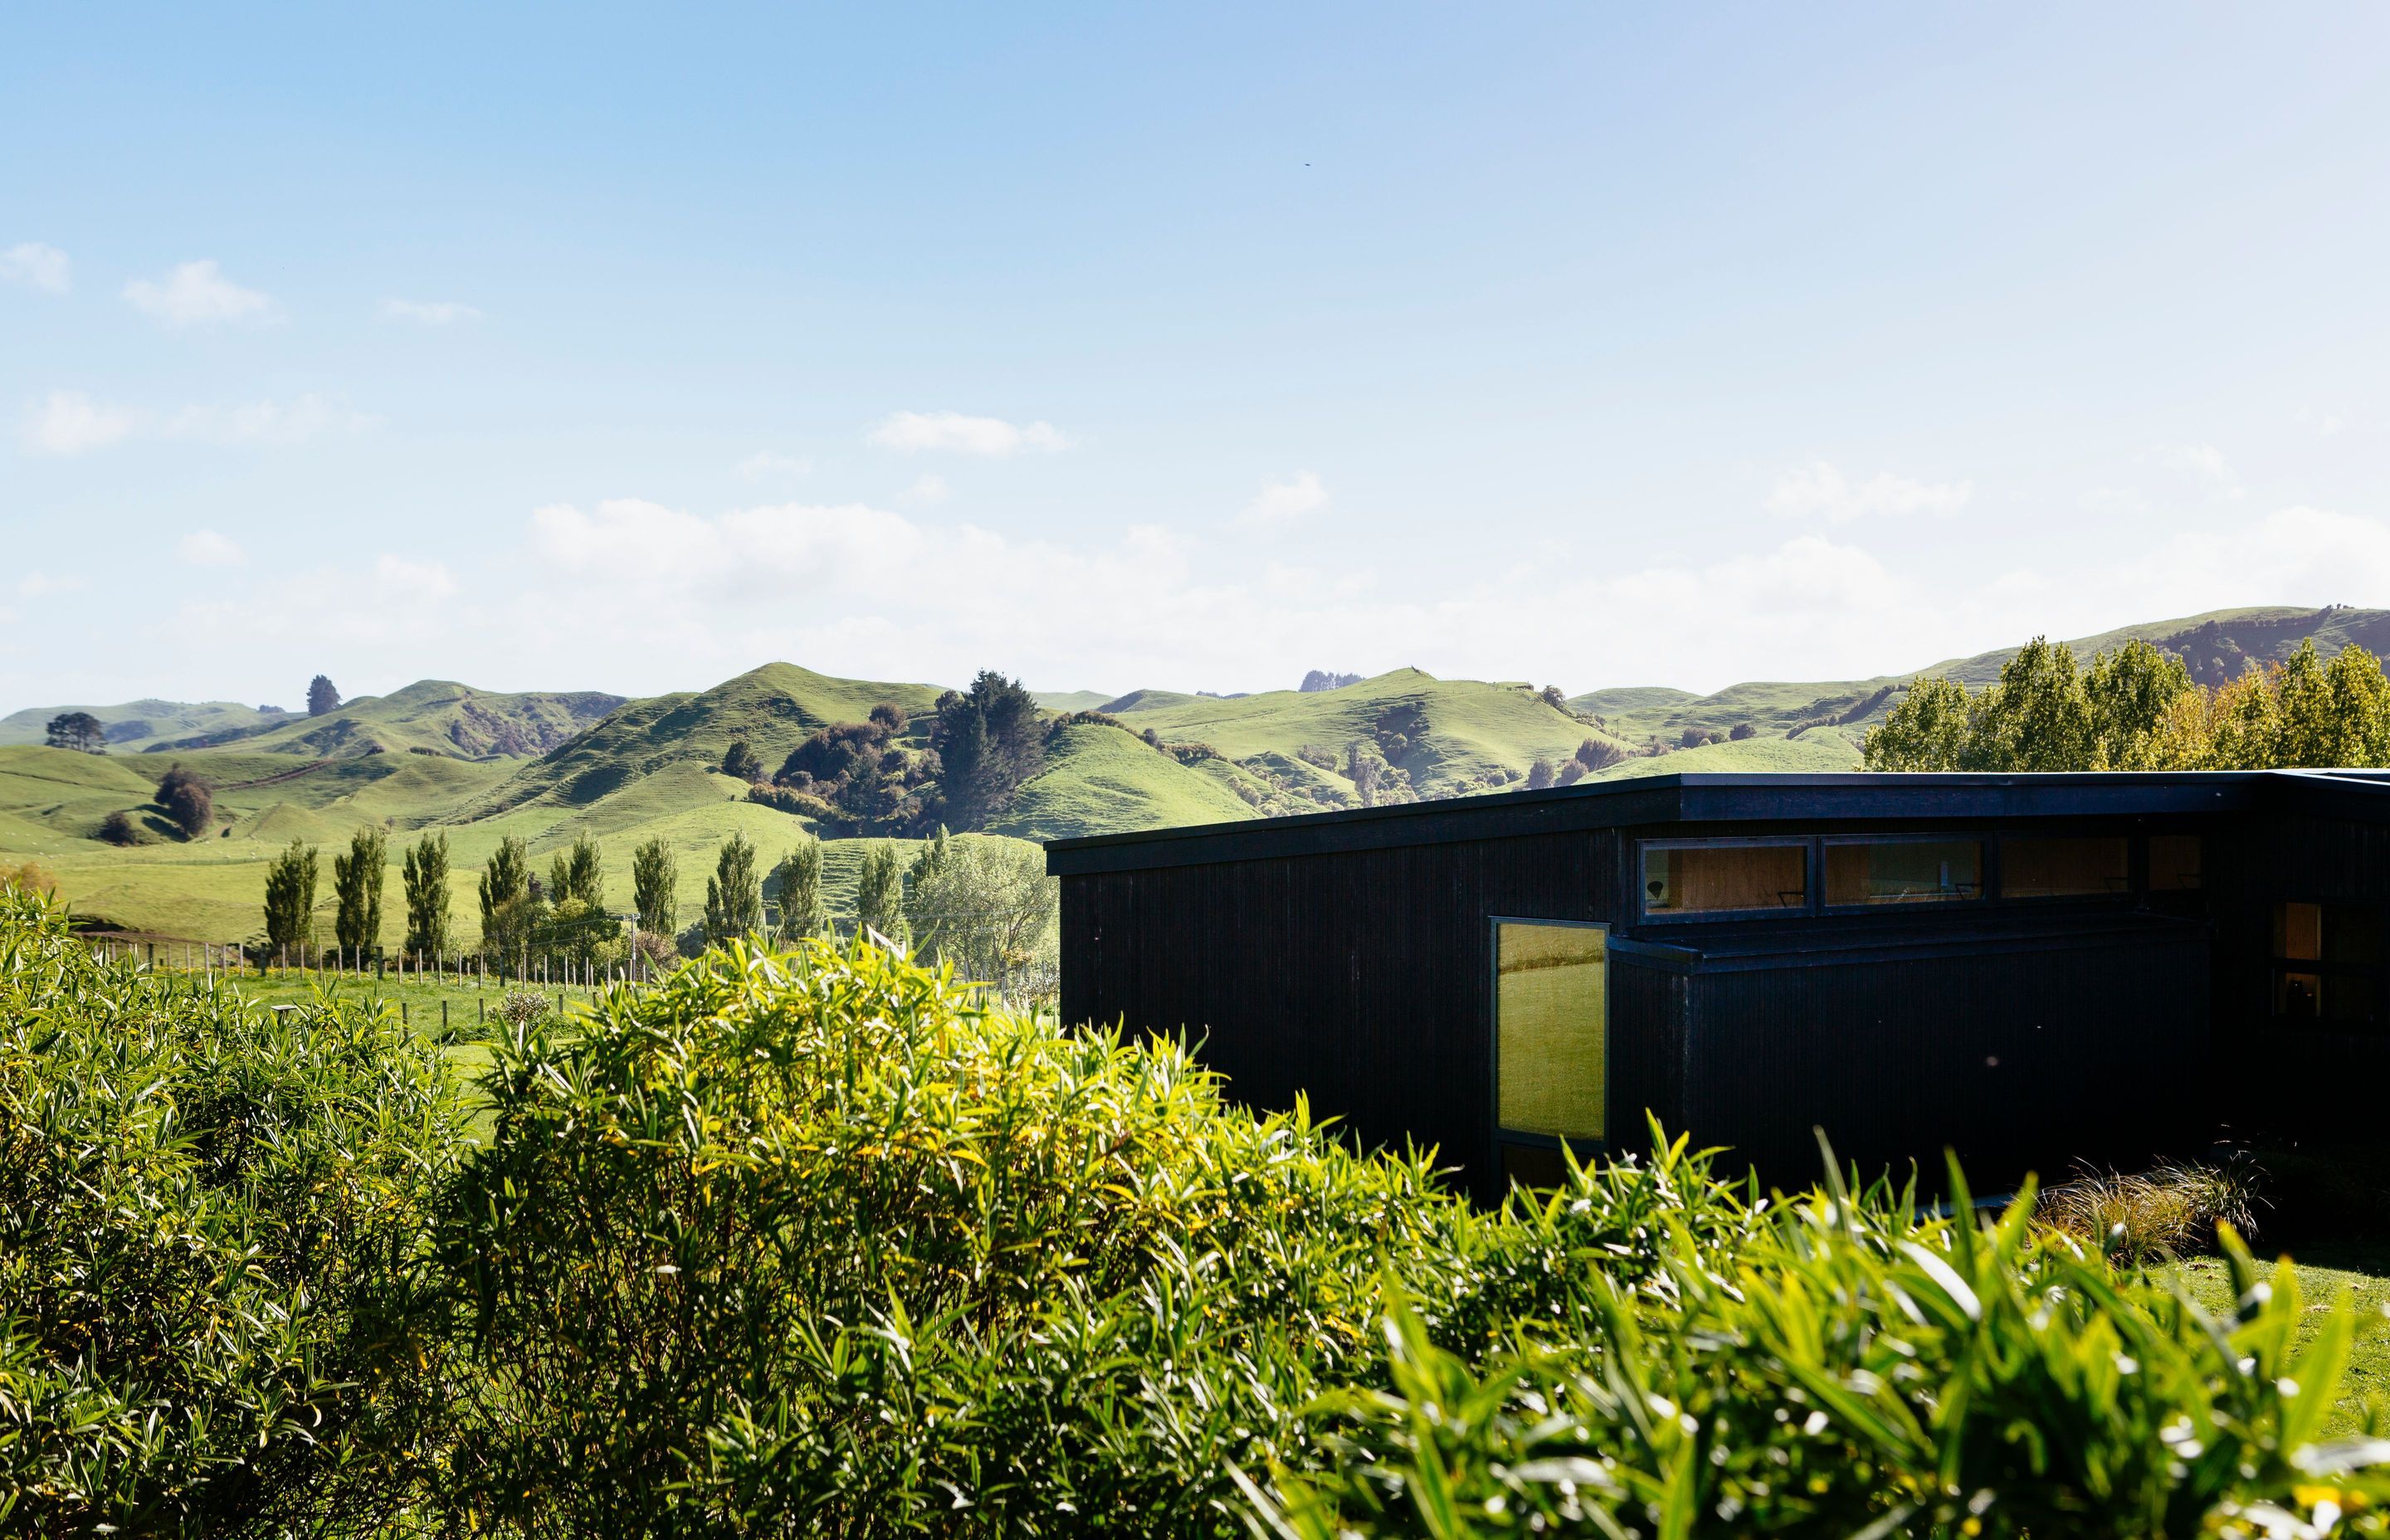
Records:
x=138, y=724
x=548, y=767
x=2217, y=647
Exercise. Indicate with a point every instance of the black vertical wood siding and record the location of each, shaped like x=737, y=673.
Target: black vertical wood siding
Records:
x=1362, y=979
x=1348, y=958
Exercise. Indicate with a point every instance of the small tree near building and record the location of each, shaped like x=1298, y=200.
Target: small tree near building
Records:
x=1540, y=775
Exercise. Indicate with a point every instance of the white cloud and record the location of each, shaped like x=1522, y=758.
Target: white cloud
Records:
x=428, y=313
x=206, y=548
x=1281, y=502
x=34, y=585
x=69, y=422
x=267, y=422
x=401, y=580
x=2114, y=502
x=195, y=293
x=930, y=489
x=951, y=432
x=764, y=462
x=35, y=266
x=1819, y=488
x=2204, y=463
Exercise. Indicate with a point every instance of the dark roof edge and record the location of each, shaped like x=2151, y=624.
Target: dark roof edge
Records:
x=1697, y=798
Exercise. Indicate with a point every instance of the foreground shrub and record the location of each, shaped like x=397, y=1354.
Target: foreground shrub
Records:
x=1860, y=1370
x=208, y=1211
x=808, y=1244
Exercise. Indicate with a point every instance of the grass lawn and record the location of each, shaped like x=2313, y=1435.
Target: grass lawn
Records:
x=2358, y=1267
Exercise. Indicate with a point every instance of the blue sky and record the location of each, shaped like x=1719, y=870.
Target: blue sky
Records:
x=1128, y=346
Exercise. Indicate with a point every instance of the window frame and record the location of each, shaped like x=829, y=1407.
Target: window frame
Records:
x=1496, y=1136
x=2279, y=968
x=1810, y=869
x=2136, y=870
x=1988, y=870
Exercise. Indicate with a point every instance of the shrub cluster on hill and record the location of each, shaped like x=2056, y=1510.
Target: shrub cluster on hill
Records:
x=806, y=1242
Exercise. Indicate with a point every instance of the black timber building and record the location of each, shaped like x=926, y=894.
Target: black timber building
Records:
x=2030, y=970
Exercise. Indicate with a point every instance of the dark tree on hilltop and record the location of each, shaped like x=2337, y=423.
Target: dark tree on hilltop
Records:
x=188, y=801
x=1554, y=698
x=988, y=741
x=78, y=730
x=321, y=696
x=741, y=760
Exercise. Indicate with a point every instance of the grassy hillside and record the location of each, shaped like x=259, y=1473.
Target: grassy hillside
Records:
x=773, y=709
x=439, y=716
x=1100, y=779
x=2217, y=647
x=434, y=755
x=1475, y=735
x=1071, y=700
x=136, y=725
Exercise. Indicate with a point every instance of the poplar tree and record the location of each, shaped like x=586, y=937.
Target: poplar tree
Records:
x=290, y=897
x=579, y=873
x=879, y=892
x=506, y=882
x=798, y=877
x=356, y=883
x=655, y=881
x=734, y=896
x=426, y=874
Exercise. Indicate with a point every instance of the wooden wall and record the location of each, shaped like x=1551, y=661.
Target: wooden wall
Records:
x=1361, y=978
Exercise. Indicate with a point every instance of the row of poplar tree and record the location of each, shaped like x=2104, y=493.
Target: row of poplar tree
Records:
x=983, y=903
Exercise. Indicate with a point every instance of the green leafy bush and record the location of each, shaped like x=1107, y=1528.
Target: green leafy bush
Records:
x=209, y=1212
x=809, y=1242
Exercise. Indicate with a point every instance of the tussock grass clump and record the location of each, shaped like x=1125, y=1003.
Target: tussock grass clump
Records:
x=2169, y=1211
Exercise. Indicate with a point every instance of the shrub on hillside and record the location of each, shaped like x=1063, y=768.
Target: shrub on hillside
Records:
x=117, y=828
x=207, y=1219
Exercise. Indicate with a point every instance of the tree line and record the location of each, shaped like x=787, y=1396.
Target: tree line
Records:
x=984, y=904
x=2139, y=708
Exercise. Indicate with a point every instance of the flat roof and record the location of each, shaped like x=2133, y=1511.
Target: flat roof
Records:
x=1739, y=799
